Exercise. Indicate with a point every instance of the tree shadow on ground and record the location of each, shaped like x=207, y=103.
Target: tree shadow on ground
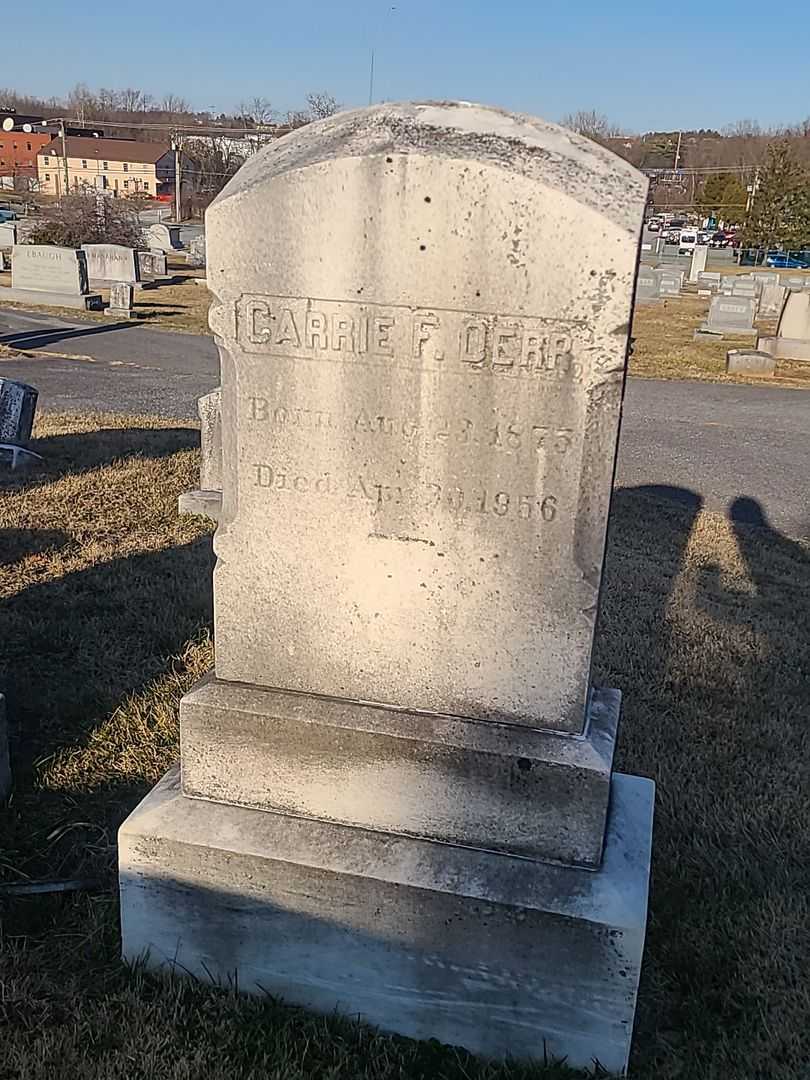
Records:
x=16, y=544
x=39, y=339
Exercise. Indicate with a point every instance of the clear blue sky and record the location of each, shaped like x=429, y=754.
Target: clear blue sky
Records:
x=645, y=64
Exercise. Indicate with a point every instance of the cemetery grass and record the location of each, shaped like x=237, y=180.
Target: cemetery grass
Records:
x=665, y=348
x=105, y=593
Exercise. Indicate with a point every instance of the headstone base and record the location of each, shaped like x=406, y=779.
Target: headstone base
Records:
x=501, y=955
x=203, y=503
x=784, y=348
x=503, y=787
x=704, y=332
x=85, y=302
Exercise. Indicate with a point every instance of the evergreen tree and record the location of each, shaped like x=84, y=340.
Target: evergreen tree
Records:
x=723, y=197
x=780, y=213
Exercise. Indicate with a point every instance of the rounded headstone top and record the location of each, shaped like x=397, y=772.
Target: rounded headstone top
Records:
x=458, y=130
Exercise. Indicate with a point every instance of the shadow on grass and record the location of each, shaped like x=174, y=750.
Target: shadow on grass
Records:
x=16, y=544
x=82, y=451
x=705, y=626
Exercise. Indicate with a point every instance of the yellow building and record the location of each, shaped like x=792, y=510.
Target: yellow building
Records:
x=117, y=166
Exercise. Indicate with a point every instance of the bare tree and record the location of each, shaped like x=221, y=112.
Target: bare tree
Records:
x=89, y=219
x=321, y=105
x=592, y=124
x=258, y=112
x=133, y=100
x=174, y=105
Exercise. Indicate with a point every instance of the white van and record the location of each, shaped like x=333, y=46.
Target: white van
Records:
x=687, y=242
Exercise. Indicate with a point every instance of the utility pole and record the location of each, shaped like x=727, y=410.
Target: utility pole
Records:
x=678, y=151
x=64, y=154
x=371, y=81
x=177, y=179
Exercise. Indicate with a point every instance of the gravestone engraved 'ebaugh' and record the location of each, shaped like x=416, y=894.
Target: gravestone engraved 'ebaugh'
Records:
x=44, y=268
x=422, y=371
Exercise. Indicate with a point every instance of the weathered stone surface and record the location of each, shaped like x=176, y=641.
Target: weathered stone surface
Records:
x=427, y=435
x=522, y=791
x=420, y=938
x=44, y=268
x=18, y=404
x=795, y=318
x=749, y=362
x=203, y=503
x=110, y=262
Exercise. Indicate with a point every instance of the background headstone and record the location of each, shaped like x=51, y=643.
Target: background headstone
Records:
x=110, y=262
x=771, y=300
x=698, y=262
x=165, y=238
x=749, y=362
x=18, y=404
x=646, y=285
x=44, y=268
x=8, y=234
x=196, y=252
x=120, y=306
x=731, y=315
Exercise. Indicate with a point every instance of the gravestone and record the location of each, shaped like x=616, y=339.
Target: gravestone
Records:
x=419, y=429
x=766, y=277
x=792, y=339
x=165, y=238
x=709, y=280
x=120, y=306
x=646, y=285
x=670, y=282
x=43, y=274
x=207, y=499
x=698, y=262
x=151, y=264
x=18, y=403
x=110, y=262
x=8, y=234
x=196, y=252
x=730, y=315
x=749, y=362
x=771, y=300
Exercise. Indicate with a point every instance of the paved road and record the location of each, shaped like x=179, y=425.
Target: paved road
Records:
x=720, y=442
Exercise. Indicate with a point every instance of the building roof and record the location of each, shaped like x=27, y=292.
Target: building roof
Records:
x=108, y=149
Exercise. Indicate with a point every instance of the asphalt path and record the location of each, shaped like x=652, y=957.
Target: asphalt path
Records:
x=739, y=449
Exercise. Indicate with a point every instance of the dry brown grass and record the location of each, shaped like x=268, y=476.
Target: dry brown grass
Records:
x=665, y=347
x=105, y=594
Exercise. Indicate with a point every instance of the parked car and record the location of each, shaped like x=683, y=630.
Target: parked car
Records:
x=786, y=260
x=7, y=215
x=654, y=226
x=720, y=239
x=687, y=241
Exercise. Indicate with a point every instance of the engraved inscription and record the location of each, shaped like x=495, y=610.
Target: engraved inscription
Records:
x=512, y=435
x=394, y=335
x=429, y=495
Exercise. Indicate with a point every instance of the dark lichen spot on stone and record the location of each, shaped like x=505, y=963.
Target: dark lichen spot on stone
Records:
x=524, y=764
x=427, y=198
x=389, y=160
x=422, y=247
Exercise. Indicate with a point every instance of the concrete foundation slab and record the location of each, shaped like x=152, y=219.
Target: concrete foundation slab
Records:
x=85, y=302
x=501, y=955
x=495, y=786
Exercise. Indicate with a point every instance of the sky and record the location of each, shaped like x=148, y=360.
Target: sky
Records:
x=645, y=65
